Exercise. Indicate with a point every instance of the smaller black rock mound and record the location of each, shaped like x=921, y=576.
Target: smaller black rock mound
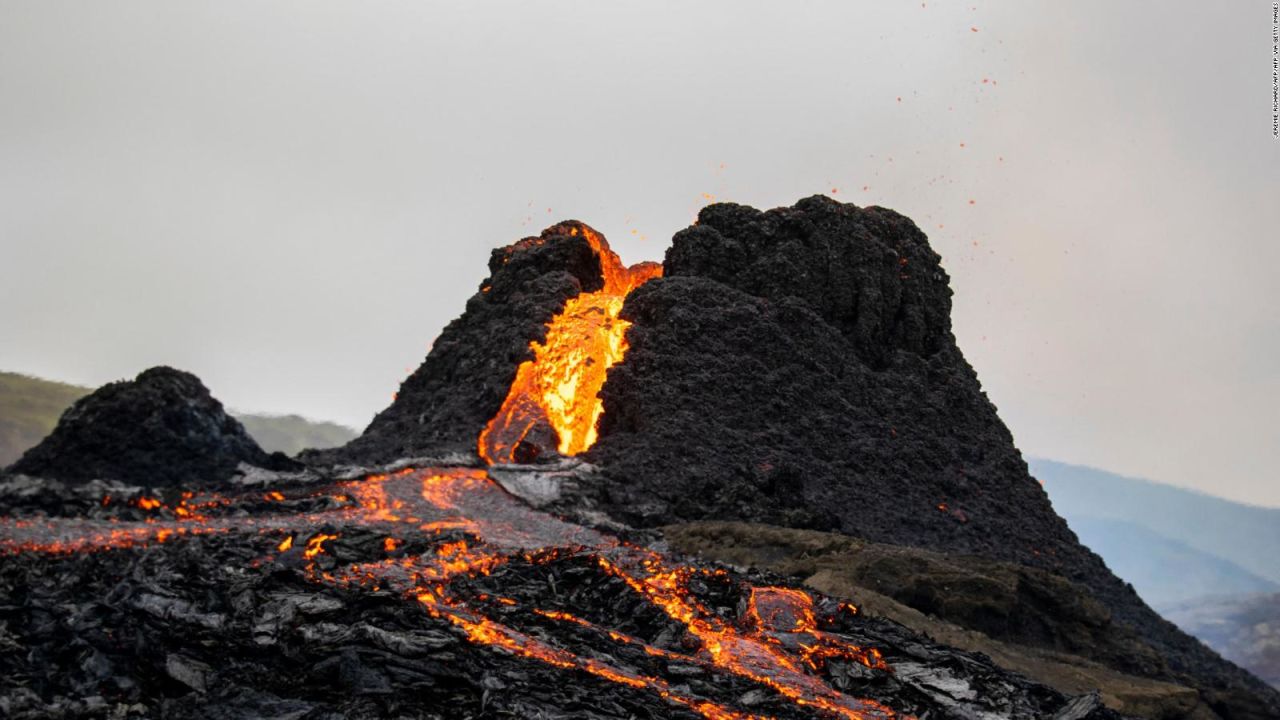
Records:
x=163, y=428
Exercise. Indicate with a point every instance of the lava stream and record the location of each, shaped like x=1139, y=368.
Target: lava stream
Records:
x=778, y=645
x=561, y=384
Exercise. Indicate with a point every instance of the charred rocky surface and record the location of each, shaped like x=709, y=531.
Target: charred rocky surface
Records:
x=1026, y=619
x=1006, y=601
x=797, y=367
x=794, y=367
x=324, y=602
x=162, y=428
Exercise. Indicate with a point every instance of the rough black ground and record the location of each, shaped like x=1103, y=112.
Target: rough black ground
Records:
x=224, y=627
x=1027, y=619
x=162, y=428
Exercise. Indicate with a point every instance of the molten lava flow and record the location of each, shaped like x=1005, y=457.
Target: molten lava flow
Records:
x=466, y=528
x=315, y=545
x=561, y=384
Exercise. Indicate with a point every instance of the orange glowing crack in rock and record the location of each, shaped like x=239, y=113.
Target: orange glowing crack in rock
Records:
x=561, y=384
x=486, y=632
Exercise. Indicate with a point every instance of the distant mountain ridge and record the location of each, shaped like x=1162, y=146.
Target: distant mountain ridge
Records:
x=1208, y=565
x=291, y=434
x=1244, y=535
x=1146, y=559
x=30, y=407
x=1246, y=630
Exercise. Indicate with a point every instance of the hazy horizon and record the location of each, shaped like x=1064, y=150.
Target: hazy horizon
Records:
x=292, y=200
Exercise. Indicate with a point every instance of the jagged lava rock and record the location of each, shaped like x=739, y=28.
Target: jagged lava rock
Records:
x=797, y=367
x=205, y=627
x=163, y=428
x=793, y=367
x=446, y=402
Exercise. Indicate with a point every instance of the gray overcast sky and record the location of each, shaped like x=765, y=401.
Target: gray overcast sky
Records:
x=292, y=198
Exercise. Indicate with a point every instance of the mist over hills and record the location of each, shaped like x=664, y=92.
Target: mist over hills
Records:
x=1203, y=562
x=1245, y=536
x=290, y=434
x=1207, y=564
x=30, y=408
x=1148, y=559
x=1244, y=629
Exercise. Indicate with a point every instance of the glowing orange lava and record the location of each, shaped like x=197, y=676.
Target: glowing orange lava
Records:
x=778, y=644
x=315, y=545
x=562, y=383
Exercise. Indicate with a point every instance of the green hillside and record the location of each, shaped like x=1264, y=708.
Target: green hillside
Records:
x=292, y=433
x=30, y=408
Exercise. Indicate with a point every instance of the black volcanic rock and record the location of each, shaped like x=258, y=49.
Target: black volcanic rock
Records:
x=797, y=367
x=162, y=428
x=446, y=402
x=794, y=367
x=869, y=273
x=234, y=625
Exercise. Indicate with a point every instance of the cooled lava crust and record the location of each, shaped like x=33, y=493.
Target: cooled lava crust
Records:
x=794, y=367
